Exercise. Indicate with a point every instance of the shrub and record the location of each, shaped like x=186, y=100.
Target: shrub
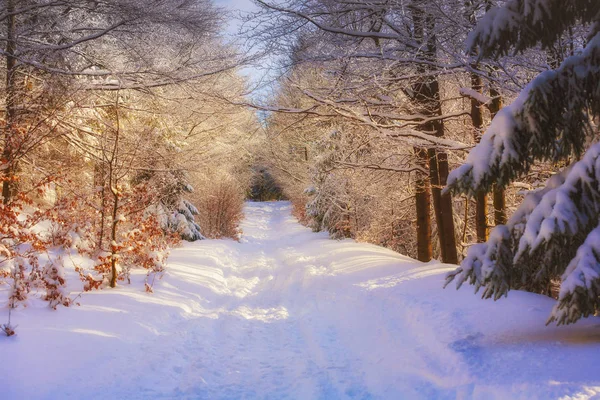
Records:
x=221, y=209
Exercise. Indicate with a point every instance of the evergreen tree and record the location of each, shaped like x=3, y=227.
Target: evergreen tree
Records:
x=182, y=220
x=556, y=231
x=175, y=212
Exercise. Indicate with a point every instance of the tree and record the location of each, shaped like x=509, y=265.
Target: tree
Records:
x=55, y=49
x=427, y=95
x=110, y=110
x=384, y=60
x=339, y=176
x=555, y=230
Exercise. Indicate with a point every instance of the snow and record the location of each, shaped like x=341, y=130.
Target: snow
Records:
x=474, y=94
x=287, y=313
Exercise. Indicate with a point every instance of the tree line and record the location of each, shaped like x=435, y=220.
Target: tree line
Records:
x=379, y=100
x=115, y=137
x=127, y=127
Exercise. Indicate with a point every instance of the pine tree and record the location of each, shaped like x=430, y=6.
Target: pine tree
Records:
x=556, y=231
x=175, y=213
x=183, y=222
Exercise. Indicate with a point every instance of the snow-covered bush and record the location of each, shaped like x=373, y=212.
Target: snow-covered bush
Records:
x=141, y=240
x=171, y=191
x=53, y=277
x=23, y=249
x=183, y=221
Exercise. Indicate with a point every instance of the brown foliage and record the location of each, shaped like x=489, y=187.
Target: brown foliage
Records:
x=221, y=210
x=22, y=246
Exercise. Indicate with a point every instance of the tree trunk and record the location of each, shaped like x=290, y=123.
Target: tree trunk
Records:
x=427, y=96
x=99, y=181
x=499, y=207
x=499, y=193
x=113, y=182
x=481, y=198
x=10, y=99
x=113, y=238
x=444, y=210
x=423, y=206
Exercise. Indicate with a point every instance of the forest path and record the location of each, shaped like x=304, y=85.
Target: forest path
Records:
x=293, y=322
x=287, y=313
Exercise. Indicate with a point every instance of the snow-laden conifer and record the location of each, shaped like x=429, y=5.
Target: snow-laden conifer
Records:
x=182, y=221
x=555, y=231
x=550, y=120
x=521, y=24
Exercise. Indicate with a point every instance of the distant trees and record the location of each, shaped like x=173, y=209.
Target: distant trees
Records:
x=386, y=72
x=553, y=234
x=338, y=174
x=263, y=186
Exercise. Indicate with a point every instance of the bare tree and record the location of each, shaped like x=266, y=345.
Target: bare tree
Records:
x=97, y=45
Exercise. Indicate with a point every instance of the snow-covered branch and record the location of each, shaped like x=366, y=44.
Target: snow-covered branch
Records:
x=524, y=23
x=541, y=124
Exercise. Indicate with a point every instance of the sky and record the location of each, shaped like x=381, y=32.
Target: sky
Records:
x=257, y=76
x=236, y=5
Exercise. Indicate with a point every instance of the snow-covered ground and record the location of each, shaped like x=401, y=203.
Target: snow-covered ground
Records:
x=288, y=313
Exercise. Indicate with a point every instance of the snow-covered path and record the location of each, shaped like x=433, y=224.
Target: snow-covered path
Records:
x=288, y=313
